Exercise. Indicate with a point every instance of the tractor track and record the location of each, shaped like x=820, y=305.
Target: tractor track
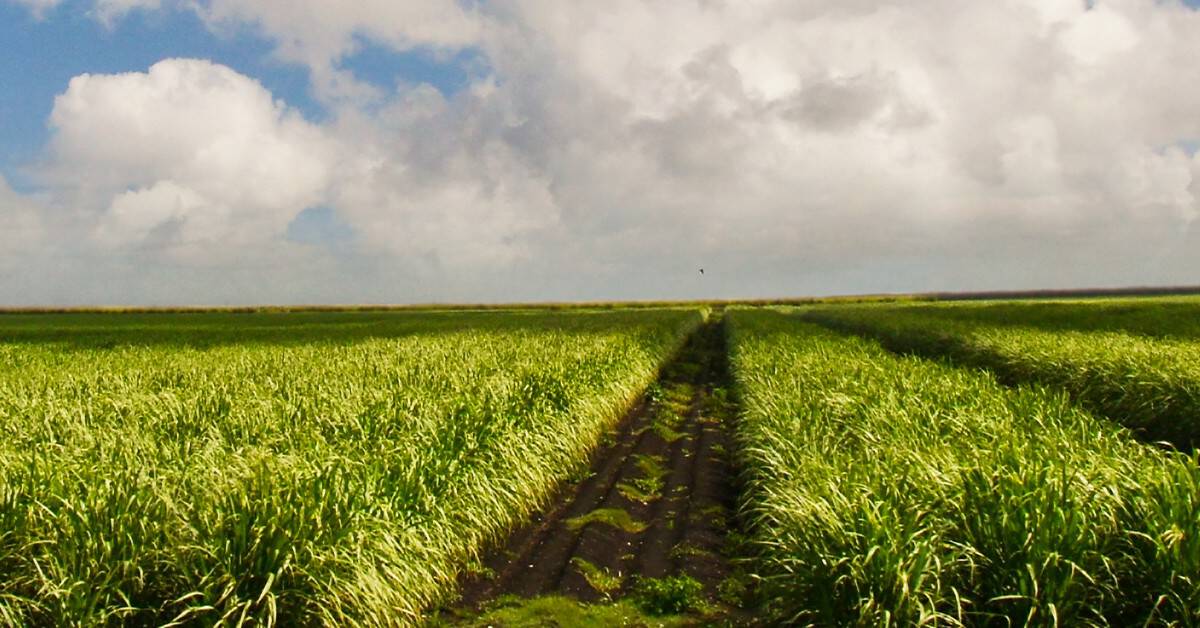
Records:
x=656, y=503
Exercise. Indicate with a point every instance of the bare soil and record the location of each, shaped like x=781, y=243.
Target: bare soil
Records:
x=657, y=502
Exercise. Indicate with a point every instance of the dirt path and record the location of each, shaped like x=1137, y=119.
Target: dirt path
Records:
x=656, y=504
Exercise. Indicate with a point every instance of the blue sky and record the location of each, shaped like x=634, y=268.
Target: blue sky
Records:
x=574, y=150
x=42, y=55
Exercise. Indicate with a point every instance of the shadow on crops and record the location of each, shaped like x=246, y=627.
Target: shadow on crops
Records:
x=1152, y=318
x=1156, y=411
x=90, y=331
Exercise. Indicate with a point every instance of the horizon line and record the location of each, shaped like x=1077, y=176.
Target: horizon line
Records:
x=981, y=295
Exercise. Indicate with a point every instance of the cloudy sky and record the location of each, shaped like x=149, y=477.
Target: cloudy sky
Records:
x=393, y=151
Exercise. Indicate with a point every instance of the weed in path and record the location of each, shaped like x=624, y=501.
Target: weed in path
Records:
x=616, y=517
x=599, y=578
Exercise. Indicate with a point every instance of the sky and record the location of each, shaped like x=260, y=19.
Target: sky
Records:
x=169, y=152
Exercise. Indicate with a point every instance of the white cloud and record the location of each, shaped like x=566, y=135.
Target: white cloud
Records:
x=314, y=31
x=38, y=8
x=109, y=11
x=415, y=183
x=190, y=157
x=788, y=147
x=1098, y=34
x=164, y=211
x=21, y=230
x=319, y=34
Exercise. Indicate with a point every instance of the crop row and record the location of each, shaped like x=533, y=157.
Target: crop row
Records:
x=247, y=472
x=1151, y=385
x=888, y=490
x=1159, y=317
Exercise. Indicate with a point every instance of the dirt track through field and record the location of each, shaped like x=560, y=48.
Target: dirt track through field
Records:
x=657, y=501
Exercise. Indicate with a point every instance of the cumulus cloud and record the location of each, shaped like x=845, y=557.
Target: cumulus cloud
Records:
x=190, y=158
x=613, y=148
x=319, y=34
x=419, y=183
x=21, y=229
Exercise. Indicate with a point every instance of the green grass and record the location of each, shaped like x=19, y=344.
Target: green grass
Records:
x=672, y=595
x=651, y=603
x=1157, y=317
x=341, y=468
x=670, y=410
x=562, y=612
x=885, y=490
x=615, y=517
x=1151, y=385
x=652, y=477
x=308, y=468
x=598, y=578
x=640, y=490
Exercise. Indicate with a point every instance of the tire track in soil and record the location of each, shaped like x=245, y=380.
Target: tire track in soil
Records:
x=674, y=441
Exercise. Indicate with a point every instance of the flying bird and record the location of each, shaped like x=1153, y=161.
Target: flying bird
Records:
x=701, y=271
